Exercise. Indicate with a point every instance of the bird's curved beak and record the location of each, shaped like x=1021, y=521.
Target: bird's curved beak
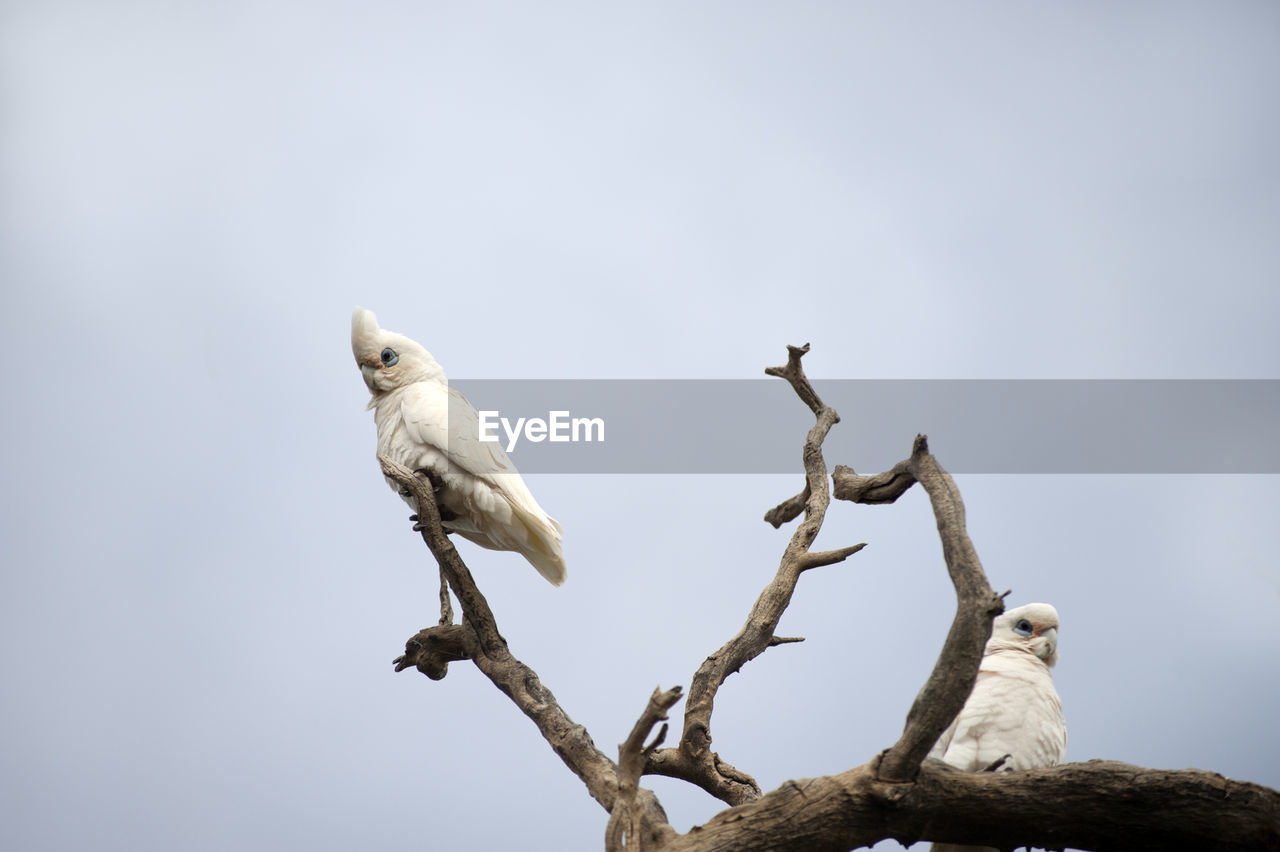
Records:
x=368, y=372
x=1050, y=652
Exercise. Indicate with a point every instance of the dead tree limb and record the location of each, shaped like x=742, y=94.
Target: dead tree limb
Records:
x=446, y=606
x=876, y=489
x=432, y=649
x=1099, y=805
x=953, y=675
x=693, y=760
x=622, y=831
x=788, y=510
x=517, y=681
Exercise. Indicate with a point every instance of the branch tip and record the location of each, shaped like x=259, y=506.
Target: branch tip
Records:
x=657, y=740
x=788, y=510
x=828, y=557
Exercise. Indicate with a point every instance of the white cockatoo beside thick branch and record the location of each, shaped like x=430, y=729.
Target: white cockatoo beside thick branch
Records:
x=1013, y=709
x=427, y=426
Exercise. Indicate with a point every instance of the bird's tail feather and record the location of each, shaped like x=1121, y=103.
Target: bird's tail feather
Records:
x=542, y=547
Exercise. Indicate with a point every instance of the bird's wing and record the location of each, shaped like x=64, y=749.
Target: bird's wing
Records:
x=970, y=734
x=939, y=749
x=1013, y=710
x=440, y=418
x=420, y=437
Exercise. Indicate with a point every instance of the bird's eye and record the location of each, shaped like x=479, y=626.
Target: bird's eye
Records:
x=389, y=357
x=1023, y=627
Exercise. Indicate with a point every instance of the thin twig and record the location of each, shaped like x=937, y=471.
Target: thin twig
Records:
x=446, y=603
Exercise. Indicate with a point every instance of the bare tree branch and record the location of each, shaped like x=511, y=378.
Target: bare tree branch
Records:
x=432, y=649
x=956, y=670
x=788, y=510
x=877, y=489
x=1099, y=805
x=632, y=754
x=794, y=373
x=520, y=683
x=446, y=605
x=828, y=557
x=693, y=759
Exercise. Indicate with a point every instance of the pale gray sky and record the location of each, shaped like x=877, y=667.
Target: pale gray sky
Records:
x=205, y=578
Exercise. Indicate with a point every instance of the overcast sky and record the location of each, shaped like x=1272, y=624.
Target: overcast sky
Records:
x=204, y=577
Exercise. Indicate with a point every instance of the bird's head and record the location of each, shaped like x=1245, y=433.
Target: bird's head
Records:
x=388, y=360
x=1033, y=628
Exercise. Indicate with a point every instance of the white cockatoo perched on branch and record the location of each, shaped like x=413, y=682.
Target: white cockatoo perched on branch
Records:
x=1013, y=709
x=426, y=425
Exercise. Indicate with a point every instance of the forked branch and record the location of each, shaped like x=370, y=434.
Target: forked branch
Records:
x=490, y=652
x=954, y=673
x=693, y=760
x=622, y=832
x=1096, y=805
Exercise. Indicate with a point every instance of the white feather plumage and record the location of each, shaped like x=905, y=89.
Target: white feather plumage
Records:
x=1014, y=708
x=426, y=425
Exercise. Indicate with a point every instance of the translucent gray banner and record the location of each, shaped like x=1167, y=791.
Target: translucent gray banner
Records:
x=758, y=426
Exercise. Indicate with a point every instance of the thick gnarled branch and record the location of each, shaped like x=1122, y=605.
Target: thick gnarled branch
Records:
x=1099, y=805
